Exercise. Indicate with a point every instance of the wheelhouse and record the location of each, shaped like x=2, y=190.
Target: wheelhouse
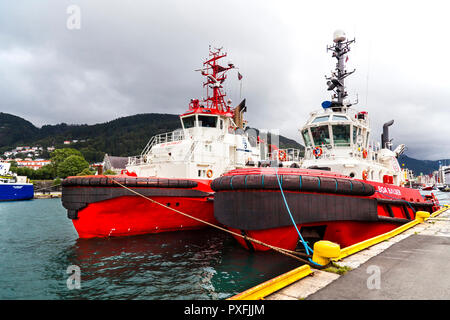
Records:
x=202, y=121
x=335, y=131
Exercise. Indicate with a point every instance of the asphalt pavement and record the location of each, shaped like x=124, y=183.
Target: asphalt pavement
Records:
x=417, y=267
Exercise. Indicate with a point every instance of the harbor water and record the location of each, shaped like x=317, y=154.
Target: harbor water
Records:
x=39, y=249
x=39, y=246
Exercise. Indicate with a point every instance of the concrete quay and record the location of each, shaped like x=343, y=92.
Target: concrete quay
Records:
x=47, y=195
x=411, y=265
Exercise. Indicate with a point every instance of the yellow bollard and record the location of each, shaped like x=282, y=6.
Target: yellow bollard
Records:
x=324, y=251
x=422, y=215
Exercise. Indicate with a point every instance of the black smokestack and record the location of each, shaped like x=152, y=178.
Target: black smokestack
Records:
x=385, y=142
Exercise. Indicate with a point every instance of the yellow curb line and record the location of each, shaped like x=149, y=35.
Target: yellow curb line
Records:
x=345, y=252
x=264, y=289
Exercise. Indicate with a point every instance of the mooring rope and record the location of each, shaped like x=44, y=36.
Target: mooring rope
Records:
x=305, y=244
x=292, y=254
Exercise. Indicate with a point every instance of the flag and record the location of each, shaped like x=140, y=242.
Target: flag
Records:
x=346, y=58
x=239, y=76
x=218, y=68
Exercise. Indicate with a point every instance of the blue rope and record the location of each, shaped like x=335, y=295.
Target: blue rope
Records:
x=307, y=248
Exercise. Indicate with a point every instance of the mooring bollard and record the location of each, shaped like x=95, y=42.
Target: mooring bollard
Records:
x=422, y=215
x=324, y=251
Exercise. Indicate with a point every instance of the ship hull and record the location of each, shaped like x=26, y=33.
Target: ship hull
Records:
x=16, y=191
x=345, y=233
x=324, y=206
x=100, y=207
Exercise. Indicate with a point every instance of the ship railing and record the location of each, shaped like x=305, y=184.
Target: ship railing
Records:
x=289, y=154
x=355, y=151
x=135, y=160
x=176, y=135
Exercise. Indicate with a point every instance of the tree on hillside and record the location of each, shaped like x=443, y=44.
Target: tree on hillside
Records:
x=23, y=171
x=44, y=173
x=60, y=155
x=72, y=166
x=86, y=172
x=92, y=155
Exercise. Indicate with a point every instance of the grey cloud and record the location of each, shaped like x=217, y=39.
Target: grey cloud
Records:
x=140, y=56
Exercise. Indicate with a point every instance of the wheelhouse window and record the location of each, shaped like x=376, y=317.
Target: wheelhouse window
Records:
x=341, y=135
x=189, y=122
x=306, y=138
x=320, y=135
x=320, y=119
x=339, y=118
x=207, y=121
x=355, y=130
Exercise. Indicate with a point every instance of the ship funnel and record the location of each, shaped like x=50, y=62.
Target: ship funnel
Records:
x=238, y=116
x=4, y=168
x=385, y=142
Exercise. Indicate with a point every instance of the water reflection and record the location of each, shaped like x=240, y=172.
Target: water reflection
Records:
x=203, y=264
x=37, y=248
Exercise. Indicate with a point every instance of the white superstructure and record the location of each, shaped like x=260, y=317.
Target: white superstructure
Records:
x=212, y=139
x=205, y=147
x=337, y=138
x=340, y=142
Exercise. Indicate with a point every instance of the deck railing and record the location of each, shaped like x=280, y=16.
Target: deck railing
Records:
x=176, y=135
x=289, y=154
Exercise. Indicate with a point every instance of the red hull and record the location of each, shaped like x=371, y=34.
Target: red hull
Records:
x=345, y=233
x=354, y=218
x=100, y=207
x=133, y=215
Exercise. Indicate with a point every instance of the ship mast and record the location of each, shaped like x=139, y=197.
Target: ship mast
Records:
x=336, y=81
x=215, y=76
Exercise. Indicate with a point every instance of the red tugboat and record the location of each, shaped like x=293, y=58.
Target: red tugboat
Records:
x=174, y=169
x=347, y=189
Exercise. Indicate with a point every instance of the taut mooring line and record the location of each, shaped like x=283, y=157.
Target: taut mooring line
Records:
x=286, y=252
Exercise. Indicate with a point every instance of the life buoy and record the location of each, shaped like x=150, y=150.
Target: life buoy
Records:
x=282, y=155
x=317, y=152
x=364, y=153
x=128, y=173
x=209, y=173
x=365, y=175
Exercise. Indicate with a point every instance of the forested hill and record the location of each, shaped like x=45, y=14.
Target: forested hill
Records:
x=422, y=166
x=14, y=129
x=124, y=136
x=121, y=137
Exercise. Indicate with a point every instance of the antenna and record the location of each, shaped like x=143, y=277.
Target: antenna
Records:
x=335, y=82
x=215, y=75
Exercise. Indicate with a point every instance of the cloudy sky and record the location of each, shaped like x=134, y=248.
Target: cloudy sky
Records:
x=139, y=56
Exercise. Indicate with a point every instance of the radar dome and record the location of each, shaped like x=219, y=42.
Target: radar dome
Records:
x=339, y=36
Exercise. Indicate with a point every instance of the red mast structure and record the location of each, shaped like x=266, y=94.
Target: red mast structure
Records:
x=215, y=75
